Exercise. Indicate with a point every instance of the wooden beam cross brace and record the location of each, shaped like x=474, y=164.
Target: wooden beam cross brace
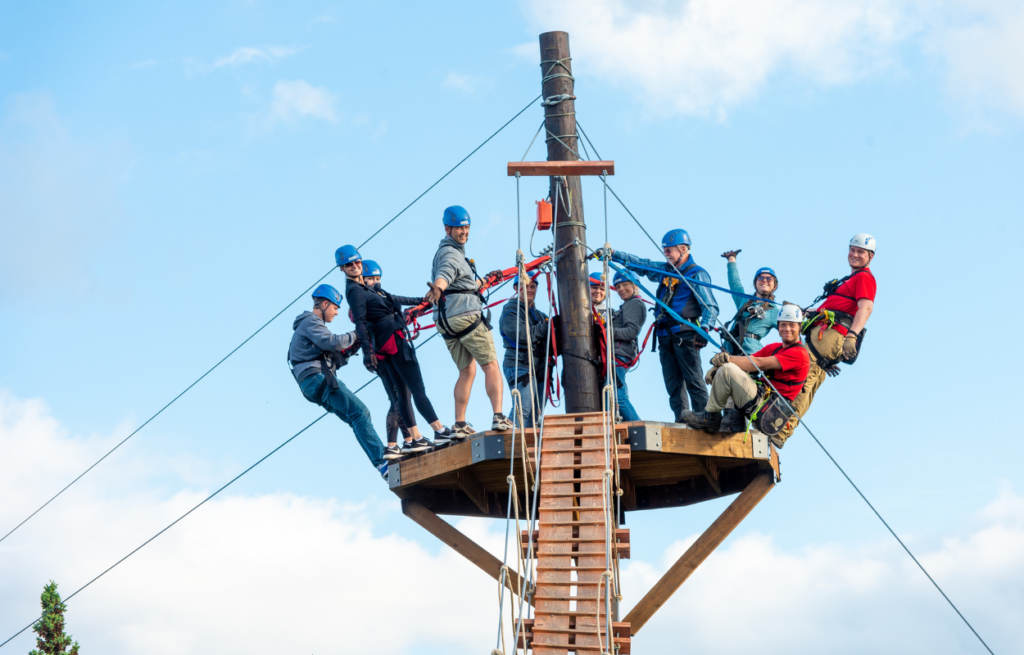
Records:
x=462, y=544
x=555, y=168
x=700, y=550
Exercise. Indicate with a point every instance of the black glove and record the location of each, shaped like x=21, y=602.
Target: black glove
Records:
x=370, y=361
x=832, y=371
x=699, y=342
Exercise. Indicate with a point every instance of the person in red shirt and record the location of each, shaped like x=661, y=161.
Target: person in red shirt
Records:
x=785, y=365
x=837, y=328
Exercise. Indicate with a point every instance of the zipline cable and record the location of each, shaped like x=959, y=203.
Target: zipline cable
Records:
x=829, y=455
x=201, y=503
x=262, y=327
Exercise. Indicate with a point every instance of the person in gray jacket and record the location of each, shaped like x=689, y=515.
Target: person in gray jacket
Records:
x=518, y=349
x=314, y=354
x=627, y=324
x=455, y=292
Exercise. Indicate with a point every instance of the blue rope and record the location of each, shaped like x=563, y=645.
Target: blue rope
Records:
x=668, y=309
x=703, y=284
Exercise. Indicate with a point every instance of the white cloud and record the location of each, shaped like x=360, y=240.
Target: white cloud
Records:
x=465, y=83
x=276, y=573
x=248, y=55
x=294, y=100
x=706, y=57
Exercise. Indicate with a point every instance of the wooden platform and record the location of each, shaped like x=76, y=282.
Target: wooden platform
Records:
x=670, y=466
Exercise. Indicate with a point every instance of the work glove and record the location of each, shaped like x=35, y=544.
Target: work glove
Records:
x=720, y=359
x=699, y=342
x=370, y=361
x=850, y=346
x=433, y=295
x=731, y=254
x=832, y=371
x=710, y=377
x=494, y=277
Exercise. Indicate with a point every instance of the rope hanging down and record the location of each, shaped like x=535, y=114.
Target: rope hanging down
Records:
x=816, y=440
x=272, y=319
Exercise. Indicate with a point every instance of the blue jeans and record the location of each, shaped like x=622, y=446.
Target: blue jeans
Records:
x=345, y=405
x=622, y=397
x=680, y=366
x=523, y=385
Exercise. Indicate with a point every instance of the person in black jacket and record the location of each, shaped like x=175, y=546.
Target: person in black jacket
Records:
x=516, y=366
x=380, y=327
x=626, y=324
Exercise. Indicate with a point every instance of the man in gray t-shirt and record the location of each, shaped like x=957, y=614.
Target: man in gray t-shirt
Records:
x=455, y=292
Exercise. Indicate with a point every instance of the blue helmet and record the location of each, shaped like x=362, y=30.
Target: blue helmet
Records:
x=327, y=292
x=769, y=271
x=346, y=255
x=596, y=279
x=456, y=216
x=619, y=277
x=675, y=238
x=515, y=280
x=371, y=268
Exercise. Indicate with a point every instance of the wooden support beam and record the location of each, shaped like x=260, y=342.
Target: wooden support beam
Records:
x=472, y=487
x=710, y=471
x=700, y=550
x=567, y=168
x=465, y=546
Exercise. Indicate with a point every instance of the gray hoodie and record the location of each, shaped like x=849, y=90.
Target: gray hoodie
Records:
x=310, y=340
x=452, y=266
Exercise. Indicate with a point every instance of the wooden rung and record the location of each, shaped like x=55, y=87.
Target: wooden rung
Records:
x=572, y=568
x=576, y=509
x=565, y=467
x=621, y=535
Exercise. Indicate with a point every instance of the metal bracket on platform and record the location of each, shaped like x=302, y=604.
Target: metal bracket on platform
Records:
x=488, y=447
x=644, y=437
x=394, y=475
x=759, y=441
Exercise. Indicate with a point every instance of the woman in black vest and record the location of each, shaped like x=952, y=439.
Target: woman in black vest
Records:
x=381, y=329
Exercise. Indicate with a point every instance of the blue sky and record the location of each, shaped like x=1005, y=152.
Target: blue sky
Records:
x=173, y=174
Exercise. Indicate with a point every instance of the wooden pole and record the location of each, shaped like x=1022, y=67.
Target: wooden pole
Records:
x=579, y=374
x=700, y=550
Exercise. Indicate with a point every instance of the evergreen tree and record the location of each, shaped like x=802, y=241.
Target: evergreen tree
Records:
x=50, y=637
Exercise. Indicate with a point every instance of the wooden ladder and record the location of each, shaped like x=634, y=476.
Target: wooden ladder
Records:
x=570, y=541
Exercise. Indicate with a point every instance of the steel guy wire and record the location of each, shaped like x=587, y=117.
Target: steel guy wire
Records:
x=822, y=446
x=262, y=327
x=200, y=504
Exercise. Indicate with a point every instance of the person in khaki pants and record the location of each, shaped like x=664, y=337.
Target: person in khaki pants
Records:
x=455, y=292
x=838, y=325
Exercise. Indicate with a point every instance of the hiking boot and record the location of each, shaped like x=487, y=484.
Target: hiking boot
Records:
x=777, y=441
x=393, y=452
x=707, y=421
x=462, y=430
x=383, y=470
x=416, y=446
x=733, y=421
x=442, y=438
x=500, y=423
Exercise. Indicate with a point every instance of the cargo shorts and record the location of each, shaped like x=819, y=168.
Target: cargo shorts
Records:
x=477, y=346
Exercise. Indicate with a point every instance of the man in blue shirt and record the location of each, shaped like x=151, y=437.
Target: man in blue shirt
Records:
x=679, y=343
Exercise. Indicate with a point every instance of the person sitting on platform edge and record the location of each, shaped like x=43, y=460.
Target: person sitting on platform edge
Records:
x=753, y=320
x=784, y=364
x=455, y=292
x=516, y=366
x=679, y=343
x=381, y=329
x=627, y=323
x=837, y=328
x=393, y=423
x=314, y=353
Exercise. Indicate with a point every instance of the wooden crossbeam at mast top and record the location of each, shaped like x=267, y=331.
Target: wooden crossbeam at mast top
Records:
x=555, y=168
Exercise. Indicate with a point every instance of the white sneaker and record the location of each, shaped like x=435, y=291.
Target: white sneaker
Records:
x=501, y=423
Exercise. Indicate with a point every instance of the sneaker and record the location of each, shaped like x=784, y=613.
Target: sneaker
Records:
x=462, y=430
x=707, y=421
x=416, y=446
x=393, y=452
x=383, y=470
x=501, y=423
x=442, y=438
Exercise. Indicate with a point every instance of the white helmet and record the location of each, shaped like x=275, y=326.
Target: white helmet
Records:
x=863, y=240
x=791, y=314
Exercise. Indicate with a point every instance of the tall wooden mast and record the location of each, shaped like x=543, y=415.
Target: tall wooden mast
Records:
x=580, y=377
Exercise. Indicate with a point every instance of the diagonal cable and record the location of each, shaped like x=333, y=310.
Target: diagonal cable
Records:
x=200, y=504
x=285, y=308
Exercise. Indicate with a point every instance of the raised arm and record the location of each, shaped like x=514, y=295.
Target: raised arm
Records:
x=735, y=283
